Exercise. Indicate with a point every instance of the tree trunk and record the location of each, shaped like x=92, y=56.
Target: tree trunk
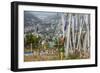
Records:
x=31, y=47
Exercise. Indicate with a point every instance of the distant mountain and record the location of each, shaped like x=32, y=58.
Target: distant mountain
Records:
x=48, y=26
x=30, y=19
x=30, y=22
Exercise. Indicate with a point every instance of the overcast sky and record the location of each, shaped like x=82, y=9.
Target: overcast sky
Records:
x=42, y=14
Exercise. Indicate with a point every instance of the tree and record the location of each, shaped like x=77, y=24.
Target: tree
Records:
x=29, y=40
x=32, y=40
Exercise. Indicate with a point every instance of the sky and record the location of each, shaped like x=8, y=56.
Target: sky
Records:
x=42, y=14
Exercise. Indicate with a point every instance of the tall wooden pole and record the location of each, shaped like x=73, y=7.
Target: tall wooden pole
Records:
x=68, y=36
x=80, y=32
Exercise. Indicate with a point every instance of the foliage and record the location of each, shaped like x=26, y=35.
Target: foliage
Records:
x=32, y=39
